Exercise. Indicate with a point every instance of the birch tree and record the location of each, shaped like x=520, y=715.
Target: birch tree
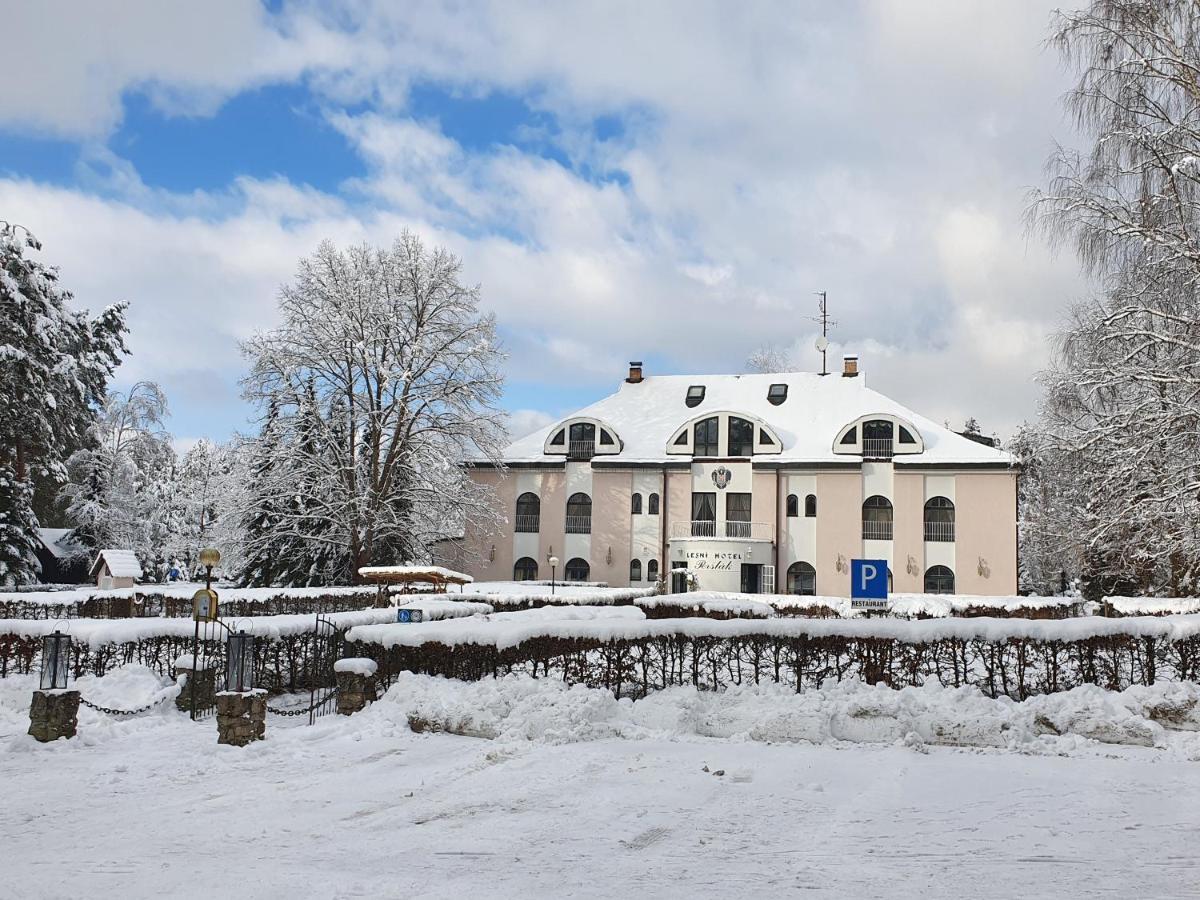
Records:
x=381, y=378
x=1123, y=396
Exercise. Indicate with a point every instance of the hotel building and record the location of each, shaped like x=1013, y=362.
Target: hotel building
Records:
x=757, y=483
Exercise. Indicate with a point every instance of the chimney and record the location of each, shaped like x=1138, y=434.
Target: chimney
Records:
x=635, y=372
x=849, y=366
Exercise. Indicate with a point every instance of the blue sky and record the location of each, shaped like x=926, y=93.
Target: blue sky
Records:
x=666, y=183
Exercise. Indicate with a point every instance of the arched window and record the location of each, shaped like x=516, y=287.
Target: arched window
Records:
x=793, y=506
x=706, y=437
x=802, y=579
x=877, y=518
x=577, y=570
x=636, y=507
x=582, y=443
x=652, y=570
x=652, y=505
x=810, y=506
x=939, y=519
x=877, y=439
x=741, y=437
x=525, y=569
x=529, y=513
x=939, y=580
x=579, y=514
x=635, y=570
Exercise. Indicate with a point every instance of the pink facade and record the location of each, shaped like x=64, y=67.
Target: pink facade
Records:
x=741, y=495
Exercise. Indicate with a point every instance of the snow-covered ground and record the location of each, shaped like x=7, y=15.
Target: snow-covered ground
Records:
x=840, y=793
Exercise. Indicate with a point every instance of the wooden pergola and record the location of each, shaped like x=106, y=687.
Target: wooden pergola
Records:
x=436, y=576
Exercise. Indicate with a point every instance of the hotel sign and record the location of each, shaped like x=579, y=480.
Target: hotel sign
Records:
x=714, y=561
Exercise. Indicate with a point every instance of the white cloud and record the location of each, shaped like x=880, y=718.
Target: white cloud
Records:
x=879, y=151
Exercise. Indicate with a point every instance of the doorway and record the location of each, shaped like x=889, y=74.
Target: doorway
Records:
x=751, y=578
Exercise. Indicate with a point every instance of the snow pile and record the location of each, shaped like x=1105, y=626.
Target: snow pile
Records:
x=357, y=666
x=129, y=687
x=520, y=708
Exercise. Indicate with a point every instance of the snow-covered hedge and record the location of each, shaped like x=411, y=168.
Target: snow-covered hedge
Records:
x=282, y=653
x=1151, y=606
x=523, y=595
x=176, y=601
x=624, y=651
x=710, y=604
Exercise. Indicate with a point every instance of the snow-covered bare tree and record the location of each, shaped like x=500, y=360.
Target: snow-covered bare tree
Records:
x=381, y=378
x=770, y=358
x=1123, y=397
x=1049, y=493
x=206, y=498
x=55, y=363
x=119, y=493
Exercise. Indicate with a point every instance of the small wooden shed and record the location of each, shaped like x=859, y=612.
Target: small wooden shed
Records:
x=116, y=569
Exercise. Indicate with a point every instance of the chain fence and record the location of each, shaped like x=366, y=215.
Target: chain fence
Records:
x=302, y=710
x=108, y=710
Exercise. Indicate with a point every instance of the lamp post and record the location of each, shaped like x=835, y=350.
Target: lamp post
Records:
x=209, y=557
x=553, y=566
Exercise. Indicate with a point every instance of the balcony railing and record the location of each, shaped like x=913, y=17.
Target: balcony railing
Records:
x=939, y=531
x=581, y=449
x=707, y=528
x=877, y=531
x=877, y=448
x=528, y=524
x=579, y=524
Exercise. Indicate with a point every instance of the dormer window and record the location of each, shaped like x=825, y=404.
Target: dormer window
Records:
x=879, y=437
x=695, y=395
x=581, y=438
x=776, y=394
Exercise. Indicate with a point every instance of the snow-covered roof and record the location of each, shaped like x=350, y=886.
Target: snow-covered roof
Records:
x=394, y=574
x=645, y=415
x=57, y=542
x=121, y=563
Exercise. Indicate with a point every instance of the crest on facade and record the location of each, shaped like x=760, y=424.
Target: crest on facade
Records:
x=721, y=477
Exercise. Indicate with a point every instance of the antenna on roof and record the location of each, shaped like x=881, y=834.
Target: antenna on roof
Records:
x=822, y=343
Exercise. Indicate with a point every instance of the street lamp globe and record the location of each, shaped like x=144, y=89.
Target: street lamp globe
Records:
x=209, y=557
x=554, y=561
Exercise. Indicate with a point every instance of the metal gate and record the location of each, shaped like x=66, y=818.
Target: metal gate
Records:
x=325, y=650
x=209, y=649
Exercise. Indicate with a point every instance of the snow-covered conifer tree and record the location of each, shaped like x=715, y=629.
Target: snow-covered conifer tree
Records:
x=55, y=363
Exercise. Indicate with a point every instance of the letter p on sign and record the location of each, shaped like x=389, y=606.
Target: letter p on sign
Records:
x=868, y=579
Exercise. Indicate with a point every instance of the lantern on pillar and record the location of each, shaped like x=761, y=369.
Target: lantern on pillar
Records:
x=239, y=663
x=56, y=659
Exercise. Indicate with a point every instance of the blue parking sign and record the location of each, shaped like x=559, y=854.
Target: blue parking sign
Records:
x=868, y=579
